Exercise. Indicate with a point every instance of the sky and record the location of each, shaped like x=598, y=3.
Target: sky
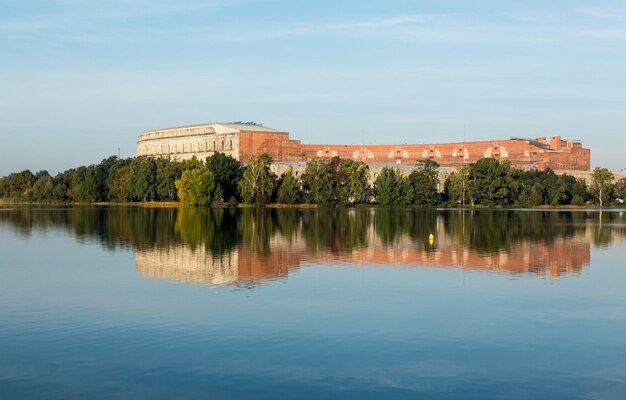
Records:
x=79, y=80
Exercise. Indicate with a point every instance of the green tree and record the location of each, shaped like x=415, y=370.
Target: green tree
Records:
x=142, y=179
x=601, y=185
x=42, y=189
x=406, y=190
x=288, y=188
x=491, y=183
x=19, y=184
x=167, y=173
x=620, y=190
x=458, y=186
x=387, y=187
x=227, y=172
x=83, y=186
x=101, y=173
x=425, y=180
x=320, y=183
x=258, y=181
x=356, y=183
x=196, y=187
x=118, y=183
x=536, y=195
x=60, y=187
x=580, y=193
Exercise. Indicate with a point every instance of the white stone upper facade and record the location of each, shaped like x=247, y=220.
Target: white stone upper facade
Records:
x=201, y=141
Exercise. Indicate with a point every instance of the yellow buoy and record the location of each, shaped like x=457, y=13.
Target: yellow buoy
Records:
x=431, y=239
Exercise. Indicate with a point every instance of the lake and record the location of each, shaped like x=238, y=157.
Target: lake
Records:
x=162, y=303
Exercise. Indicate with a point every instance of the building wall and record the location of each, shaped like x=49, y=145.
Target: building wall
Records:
x=202, y=141
x=184, y=143
x=521, y=153
x=277, y=145
x=586, y=175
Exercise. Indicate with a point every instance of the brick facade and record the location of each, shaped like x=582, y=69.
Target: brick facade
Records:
x=242, y=140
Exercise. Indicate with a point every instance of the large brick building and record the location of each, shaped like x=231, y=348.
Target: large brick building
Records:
x=242, y=140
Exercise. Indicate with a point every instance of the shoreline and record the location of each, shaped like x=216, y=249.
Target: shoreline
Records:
x=176, y=204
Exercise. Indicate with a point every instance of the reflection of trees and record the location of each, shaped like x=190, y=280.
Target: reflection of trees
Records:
x=214, y=229
x=490, y=231
x=257, y=227
x=220, y=230
x=603, y=228
x=335, y=229
x=392, y=225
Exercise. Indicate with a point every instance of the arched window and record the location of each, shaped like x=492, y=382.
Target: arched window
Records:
x=231, y=144
x=206, y=146
x=222, y=144
x=214, y=145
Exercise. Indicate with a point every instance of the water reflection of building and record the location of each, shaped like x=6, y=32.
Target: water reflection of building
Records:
x=244, y=265
x=183, y=264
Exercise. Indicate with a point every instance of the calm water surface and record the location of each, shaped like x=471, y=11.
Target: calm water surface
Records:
x=132, y=303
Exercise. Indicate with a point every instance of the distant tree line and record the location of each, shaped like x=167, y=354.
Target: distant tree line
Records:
x=328, y=182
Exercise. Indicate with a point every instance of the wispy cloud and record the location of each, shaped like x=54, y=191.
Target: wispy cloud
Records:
x=604, y=13
x=604, y=33
x=371, y=25
x=435, y=28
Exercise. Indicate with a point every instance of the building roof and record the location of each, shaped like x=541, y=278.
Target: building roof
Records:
x=238, y=125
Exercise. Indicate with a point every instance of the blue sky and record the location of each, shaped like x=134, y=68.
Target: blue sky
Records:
x=80, y=79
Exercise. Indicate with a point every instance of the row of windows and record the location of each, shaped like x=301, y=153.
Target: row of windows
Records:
x=184, y=148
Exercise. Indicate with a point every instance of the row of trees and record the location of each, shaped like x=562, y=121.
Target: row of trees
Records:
x=124, y=180
x=328, y=182
x=489, y=182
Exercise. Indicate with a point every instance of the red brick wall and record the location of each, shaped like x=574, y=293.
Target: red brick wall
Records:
x=250, y=142
x=520, y=153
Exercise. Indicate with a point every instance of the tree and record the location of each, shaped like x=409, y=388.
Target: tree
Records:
x=196, y=187
x=60, y=187
x=620, y=190
x=536, y=195
x=42, y=189
x=118, y=183
x=258, y=181
x=580, y=193
x=288, y=188
x=82, y=186
x=167, y=172
x=319, y=182
x=142, y=179
x=356, y=183
x=19, y=184
x=405, y=189
x=601, y=185
x=387, y=187
x=227, y=172
x=490, y=182
x=556, y=190
x=425, y=180
x=458, y=186
x=101, y=173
